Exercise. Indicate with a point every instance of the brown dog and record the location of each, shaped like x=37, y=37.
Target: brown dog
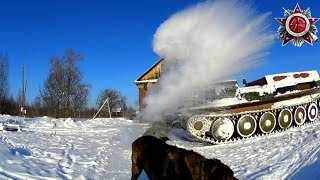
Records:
x=162, y=161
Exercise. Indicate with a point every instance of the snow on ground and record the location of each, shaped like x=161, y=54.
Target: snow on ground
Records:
x=48, y=148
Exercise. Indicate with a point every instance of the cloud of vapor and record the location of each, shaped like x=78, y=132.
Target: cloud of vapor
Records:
x=201, y=45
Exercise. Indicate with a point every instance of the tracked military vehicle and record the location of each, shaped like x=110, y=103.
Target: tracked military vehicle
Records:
x=271, y=103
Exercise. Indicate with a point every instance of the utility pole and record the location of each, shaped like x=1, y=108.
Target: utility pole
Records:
x=106, y=101
x=22, y=87
x=109, y=107
x=23, y=94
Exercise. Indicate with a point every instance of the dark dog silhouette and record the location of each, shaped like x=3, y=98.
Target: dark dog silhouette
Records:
x=162, y=161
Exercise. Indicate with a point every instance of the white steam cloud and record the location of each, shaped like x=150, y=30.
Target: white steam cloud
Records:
x=201, y=45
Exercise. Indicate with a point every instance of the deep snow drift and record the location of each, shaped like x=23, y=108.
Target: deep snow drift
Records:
x=48, y=148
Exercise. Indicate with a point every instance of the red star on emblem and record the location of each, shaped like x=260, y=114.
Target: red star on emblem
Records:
x=297, y=25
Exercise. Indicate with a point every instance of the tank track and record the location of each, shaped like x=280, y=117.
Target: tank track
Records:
x=209, y=120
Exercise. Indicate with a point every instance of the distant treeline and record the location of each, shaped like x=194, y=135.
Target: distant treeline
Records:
x=63, y=93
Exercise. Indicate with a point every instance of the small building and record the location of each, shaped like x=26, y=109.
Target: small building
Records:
x=147, y=79
x=117, y=112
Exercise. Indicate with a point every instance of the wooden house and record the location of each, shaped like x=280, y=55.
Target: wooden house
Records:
x=147, y=79
x=117, y=112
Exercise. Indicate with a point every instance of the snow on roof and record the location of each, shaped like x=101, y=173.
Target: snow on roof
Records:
x=291, y=78
x=116, y=110
x=146, y=81
x=260, y=89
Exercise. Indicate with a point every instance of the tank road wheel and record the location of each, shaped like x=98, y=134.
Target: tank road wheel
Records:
x=246, y=126
x=267, y=122
x=222, y=129
x=300, y=115
x=285, y=118
x=313, y=112
x=198, y=125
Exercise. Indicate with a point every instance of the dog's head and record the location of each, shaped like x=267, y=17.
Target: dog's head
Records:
x=217, y=170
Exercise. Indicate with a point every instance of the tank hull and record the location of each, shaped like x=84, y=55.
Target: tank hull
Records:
x=283, y=99
x=257, y=117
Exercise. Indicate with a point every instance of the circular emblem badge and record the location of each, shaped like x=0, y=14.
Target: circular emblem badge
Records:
x=297, y=25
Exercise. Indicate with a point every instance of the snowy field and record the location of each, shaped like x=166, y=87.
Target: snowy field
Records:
x=48, y=148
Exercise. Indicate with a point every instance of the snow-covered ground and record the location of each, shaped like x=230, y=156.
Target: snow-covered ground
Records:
x=48, y=148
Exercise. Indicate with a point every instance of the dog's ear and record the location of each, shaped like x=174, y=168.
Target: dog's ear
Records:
x=164, y=139
x=212, y=164
x=218, y=170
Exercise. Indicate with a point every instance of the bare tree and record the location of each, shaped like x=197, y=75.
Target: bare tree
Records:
x=4, y=87
x=116, y=101
x=35, y=108
x=63, y=91
x=130, y=113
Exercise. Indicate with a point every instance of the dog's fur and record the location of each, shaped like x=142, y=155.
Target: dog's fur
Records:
x=162, y=161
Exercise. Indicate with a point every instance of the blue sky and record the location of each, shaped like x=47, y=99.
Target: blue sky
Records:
x=115, y=37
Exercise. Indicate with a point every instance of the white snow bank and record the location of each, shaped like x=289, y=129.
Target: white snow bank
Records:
x=49, y=148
